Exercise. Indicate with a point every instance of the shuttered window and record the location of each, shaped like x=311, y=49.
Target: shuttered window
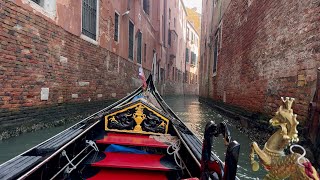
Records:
x=89, y=18
x=116, y=27
x=187, y=55
x=131, y=36
x=139, y=44
x=193, y=58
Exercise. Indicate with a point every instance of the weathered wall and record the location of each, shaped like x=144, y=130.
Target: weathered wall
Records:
x=36, y=53
x=268, y=49
x=178, y=88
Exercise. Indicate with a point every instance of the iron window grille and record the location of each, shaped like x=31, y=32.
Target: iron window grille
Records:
x=89, y=18
x=131, y=29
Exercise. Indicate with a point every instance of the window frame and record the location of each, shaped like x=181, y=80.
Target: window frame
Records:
x=49, y=13
x=116, y=12
x=83, y=36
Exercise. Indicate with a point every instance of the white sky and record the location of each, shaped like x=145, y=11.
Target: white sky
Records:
x=194, y=3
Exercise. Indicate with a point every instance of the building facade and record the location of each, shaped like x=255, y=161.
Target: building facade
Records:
x=254, y=52
x=192, y=54
x=61, y=56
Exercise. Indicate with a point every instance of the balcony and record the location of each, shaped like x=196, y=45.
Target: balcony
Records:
x=173, y=45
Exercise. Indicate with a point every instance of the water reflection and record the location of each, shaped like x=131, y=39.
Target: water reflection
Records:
x=196, y=115
x=16, y=145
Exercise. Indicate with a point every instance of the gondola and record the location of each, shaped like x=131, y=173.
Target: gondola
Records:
x=137, y=137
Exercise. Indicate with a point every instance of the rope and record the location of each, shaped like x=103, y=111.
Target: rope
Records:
x=175, y=151
x=68, y=170
x=301, y=156
x=92, y=144
x=64, y=153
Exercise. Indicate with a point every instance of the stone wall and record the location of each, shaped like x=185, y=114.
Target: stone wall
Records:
x=179, y=88
x=36, y=53
x=268, y=49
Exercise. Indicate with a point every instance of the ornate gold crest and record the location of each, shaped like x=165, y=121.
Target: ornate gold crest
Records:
x=272, y=157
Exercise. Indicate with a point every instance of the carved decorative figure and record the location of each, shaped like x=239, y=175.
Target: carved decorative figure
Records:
x=272, y=156
x=122, y=122
x=137, y=118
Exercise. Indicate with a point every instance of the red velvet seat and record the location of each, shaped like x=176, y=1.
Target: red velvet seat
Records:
x=131, y=140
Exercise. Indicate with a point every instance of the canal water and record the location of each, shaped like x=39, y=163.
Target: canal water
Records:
x=188, y=108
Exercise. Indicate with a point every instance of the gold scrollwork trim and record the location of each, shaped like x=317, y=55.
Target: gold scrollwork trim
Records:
x=138, y=116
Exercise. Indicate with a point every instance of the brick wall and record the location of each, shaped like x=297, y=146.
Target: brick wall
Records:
x=36, y=53
x=269, y=49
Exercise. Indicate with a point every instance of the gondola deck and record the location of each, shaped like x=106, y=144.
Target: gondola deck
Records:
x=131, y=140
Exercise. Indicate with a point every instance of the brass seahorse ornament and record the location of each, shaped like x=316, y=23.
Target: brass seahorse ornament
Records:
x=279, y=165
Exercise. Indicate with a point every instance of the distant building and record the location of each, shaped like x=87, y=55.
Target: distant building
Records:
x=194, y=18
x=192, y=54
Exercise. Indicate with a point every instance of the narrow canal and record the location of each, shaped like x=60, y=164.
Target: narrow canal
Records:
x=188, y=108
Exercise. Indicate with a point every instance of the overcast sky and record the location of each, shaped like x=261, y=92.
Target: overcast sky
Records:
x=194, y=3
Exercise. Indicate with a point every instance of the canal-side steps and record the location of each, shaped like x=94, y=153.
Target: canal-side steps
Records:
x=131, y=156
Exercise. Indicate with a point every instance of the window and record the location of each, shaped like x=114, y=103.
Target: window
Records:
x=174, y=22
x=192, y=37
x=169, y=37
x=173, y=78
x=163, y=31
x=145, y=53
x=169, y=14
x=116, y=26
x=131, y=36
x=49, y=7
x=146, y=6
x=39, y=2
x=187, y=33
x=215, y=53
x=139, y=48
x=193, y=58
x=89, y=18
x=187, y=55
